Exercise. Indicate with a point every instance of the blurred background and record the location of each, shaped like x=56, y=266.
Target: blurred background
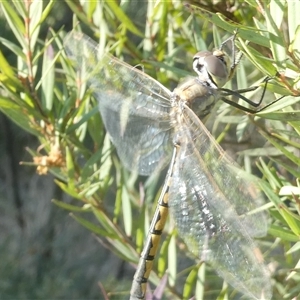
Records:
x=45, y=254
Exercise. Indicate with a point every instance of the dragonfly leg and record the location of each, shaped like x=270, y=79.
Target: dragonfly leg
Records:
x=237, y=93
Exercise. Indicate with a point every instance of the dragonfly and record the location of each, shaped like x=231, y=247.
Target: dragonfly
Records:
x=211, y=199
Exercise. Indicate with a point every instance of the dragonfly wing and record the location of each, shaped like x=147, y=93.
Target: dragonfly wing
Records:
x=208, y=217
x=134, y=107
x=229, y=180
x=143, y=141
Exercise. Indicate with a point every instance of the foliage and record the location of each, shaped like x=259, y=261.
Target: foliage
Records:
x=39, y=92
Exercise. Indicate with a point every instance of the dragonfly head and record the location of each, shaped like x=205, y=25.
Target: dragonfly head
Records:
x=213, y=67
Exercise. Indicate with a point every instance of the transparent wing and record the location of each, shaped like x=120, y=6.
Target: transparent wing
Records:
x=210, y=201
x=134, y=107
x=227, y=179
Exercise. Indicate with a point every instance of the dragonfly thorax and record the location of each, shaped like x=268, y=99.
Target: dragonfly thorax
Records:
x=212, y=67
x=199, y=96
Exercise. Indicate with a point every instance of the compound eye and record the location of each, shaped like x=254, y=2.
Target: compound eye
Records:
x=199, y=62
x=216, y=67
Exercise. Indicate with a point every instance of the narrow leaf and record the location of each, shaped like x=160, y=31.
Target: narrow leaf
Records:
x=48, y=78
x=123, y=18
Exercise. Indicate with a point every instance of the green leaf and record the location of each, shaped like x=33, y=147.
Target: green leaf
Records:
x=139, y=237
x=294, y=248
x=296, y=272
x=79, y=11
x=92, y=227
x=46, y=11
x=281, y=116
x=247, y=33
x=172, y=260
x=70, y=207
x=163, y=256
x=190, y=283
x=18, y=115
x=293, y=8
x=35, y=15
x=288, y=167
x=160, y=13
x=48, y=78
x=287, y=141
x=262, y=63
x=284, y=234
x=90, y=189
x=275, y=183
x=106, y=222
x=8, y=77
x=200, y=284
x=70, y=169
x=118, y=12
x=14, y=21
x=91, y=8
x=278, y=105
x=127, y=211
x=82, y=120
x=295, y=159
x=13, y=47
x=70, y=191
x=289, y=190
x=274, y=17
x=91, y=164
x=291, y=219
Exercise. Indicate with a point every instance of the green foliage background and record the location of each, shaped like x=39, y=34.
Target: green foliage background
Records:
x=40, y=94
